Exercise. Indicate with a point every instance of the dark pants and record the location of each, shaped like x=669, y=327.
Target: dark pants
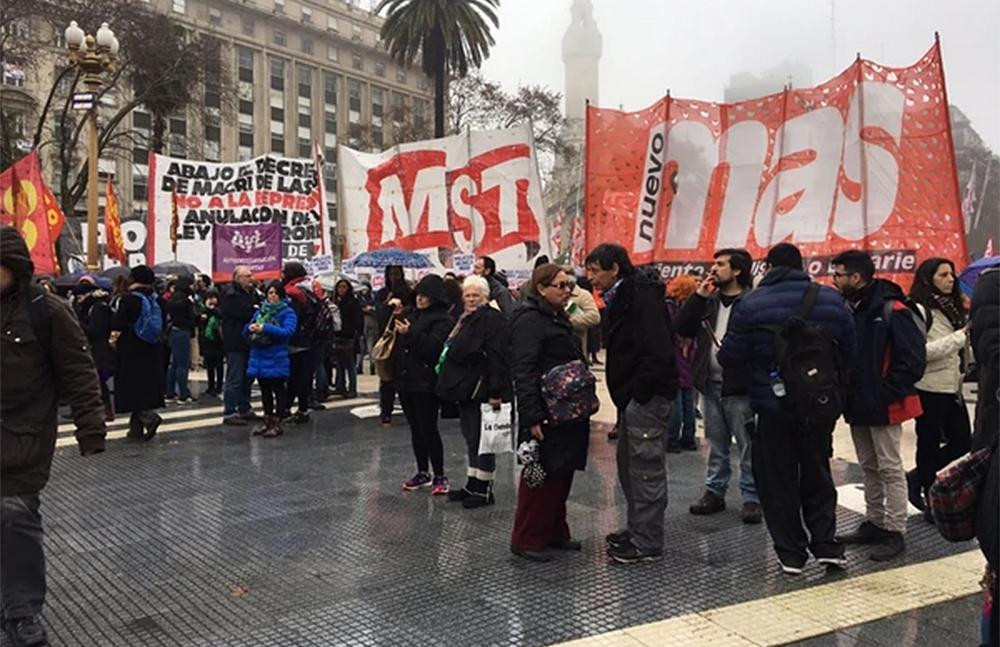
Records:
x=943, y=433
x=347, y=369
x=302, y=369
x=214, y=365
x=540, y=518
x=791, y=467
x=236, y=398
x=421, y=410
x=22, y=559
x=386, y=398
x=470, y=418
x=642, y=469
x=271, y=389
x=140, y=420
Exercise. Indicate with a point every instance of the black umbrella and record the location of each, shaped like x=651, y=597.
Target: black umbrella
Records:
x=175, y=268
x=68, y=280
x=113, y=273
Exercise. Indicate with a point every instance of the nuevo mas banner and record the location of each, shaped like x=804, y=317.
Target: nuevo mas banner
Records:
x=266, y=189
x=478, y=192
x=864, y=161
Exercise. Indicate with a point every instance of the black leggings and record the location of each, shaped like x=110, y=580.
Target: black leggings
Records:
x=213, y=365
x=421, y=410
x=943, y=433
x=272, y=388
x=303, y=368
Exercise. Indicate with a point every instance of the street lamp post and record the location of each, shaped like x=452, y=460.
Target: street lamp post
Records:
x=92, y=55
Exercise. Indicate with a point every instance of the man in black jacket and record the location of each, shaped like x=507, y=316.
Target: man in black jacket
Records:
x=45, y=357
x=237, y=308
x=724, y=400
x=892, y=356
x=486, y=267
x=642, y=378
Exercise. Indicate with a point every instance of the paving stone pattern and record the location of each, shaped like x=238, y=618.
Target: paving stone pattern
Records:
x=212, y=537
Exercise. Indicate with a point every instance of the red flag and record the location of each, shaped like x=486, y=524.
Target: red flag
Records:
x=114, y=244
x=26, y=205
x=175, y=222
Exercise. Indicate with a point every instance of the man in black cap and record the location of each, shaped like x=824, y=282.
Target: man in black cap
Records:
x=791, y=455
x=33, y=379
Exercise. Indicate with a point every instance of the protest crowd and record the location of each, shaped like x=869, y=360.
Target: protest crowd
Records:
x=769, y=362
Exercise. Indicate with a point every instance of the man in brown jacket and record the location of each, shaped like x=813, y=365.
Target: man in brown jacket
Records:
x=44, y=358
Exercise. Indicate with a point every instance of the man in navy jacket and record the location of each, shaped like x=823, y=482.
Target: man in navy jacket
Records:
x=891, y=360
x=791, y=461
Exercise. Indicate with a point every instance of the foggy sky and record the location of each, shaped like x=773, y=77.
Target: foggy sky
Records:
x=693, y=47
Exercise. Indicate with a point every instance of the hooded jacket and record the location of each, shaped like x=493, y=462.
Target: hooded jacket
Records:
x=500, y=293
x=749, y=347
x=180, y=309
x=640, y=351
x=892, y=356
x=418, y=351
x=34, y=378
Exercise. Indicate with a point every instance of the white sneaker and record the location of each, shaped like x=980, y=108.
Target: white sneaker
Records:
x=836, y=562
x=789, y=569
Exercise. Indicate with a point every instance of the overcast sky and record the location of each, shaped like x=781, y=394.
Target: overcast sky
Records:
x=693, y=47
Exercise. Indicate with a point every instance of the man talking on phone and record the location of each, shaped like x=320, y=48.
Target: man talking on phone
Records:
x=724, y=400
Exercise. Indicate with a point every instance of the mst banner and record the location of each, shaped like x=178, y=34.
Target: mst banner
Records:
x=266, y=189
x=478, y=192
x=864, y=160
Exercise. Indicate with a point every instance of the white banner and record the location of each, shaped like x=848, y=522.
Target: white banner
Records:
x=475, y=193
x=262, y=190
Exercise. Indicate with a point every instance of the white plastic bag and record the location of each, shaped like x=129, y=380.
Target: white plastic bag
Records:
x=496, y=432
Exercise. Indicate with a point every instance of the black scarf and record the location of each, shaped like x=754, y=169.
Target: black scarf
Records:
x=946, y=304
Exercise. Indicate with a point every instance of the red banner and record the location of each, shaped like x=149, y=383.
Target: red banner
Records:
x=28, y=205
x=862, y=161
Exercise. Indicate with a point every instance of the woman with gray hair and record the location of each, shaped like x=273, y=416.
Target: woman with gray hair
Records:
x=473, y=370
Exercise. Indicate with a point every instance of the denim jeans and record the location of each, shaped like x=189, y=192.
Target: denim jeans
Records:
x=682, y=425
x=180, y=363
x=22, y=571
x=725, y=419
x=236, y=398
x=322, y=374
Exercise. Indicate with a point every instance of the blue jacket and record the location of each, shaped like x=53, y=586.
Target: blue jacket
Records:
x=272, y=360
x=748, y=345
x=891, y=359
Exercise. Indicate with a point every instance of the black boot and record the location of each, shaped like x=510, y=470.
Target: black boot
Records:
x=480, y=494
x=913, y=490
x=465, y=492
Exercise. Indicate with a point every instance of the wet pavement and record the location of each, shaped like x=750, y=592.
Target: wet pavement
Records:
x=208, y=536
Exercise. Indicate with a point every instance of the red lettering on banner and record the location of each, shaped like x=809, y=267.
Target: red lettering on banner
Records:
x=402, y=191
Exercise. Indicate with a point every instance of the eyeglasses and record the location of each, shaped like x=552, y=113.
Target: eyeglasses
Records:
x=840, y=275
x=564, y=285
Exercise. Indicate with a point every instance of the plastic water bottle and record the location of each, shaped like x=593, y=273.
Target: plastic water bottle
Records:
x=777, y=385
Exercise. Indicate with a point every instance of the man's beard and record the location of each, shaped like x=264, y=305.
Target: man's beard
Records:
x=723, y=285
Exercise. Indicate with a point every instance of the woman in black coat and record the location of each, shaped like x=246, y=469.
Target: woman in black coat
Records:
x=139, y=370
x=420, y=337
x=345, y=340
x=474, y=371
x=93, y=309
x=542, y=338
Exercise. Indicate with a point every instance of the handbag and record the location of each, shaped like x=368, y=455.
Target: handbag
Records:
x=570, y=392
x=954, y=495
x=383, y=351
x=496, y=431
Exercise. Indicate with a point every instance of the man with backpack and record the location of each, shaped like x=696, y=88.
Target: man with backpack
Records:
x=44, y=358
x=892, y=356
x=705, y=316
x=137, y=334
x=796, y=340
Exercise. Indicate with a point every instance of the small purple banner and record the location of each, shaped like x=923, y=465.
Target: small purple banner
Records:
x=256, y=246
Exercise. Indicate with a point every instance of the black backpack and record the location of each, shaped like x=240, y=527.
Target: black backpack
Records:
x=808, y=364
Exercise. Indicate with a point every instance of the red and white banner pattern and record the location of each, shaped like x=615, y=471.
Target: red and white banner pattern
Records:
x=864, y=160
x=478, y=192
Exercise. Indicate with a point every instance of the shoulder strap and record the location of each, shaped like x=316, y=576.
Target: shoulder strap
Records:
x=40, y=317
x=808, y=301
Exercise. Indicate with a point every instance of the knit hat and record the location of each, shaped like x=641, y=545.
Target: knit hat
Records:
x=14, y=254
x=432, y=287
x=293, y=270
x=142, y=274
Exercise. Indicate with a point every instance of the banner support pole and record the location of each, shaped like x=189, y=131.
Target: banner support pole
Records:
x=951, y=146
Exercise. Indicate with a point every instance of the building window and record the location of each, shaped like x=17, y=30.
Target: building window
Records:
x=277, y=74
x=330, y=123
x=244, y=61
x=307, y=45
x=178, y=137
x=307, y=15
x=279, y=37
x=355, y=32
x=330, y=82
x=380, y=69
x=278, y=145
x=400, y=75
x=332, y=53
x=378, y=100
x=305, y=148
x=180, y=6
x=214, y=17
x=279, y=6
x=354, y=98
x=140, y=188
x=356, y=61
x=248, y=26
x=277, y=114
x=419, y=114
x=141, y=120
x=305, y=81
x=331, y=24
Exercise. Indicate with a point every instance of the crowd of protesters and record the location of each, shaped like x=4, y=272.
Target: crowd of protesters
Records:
x=460, y=347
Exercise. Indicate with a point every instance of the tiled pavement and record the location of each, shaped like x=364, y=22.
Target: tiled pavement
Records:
x=208, y=536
